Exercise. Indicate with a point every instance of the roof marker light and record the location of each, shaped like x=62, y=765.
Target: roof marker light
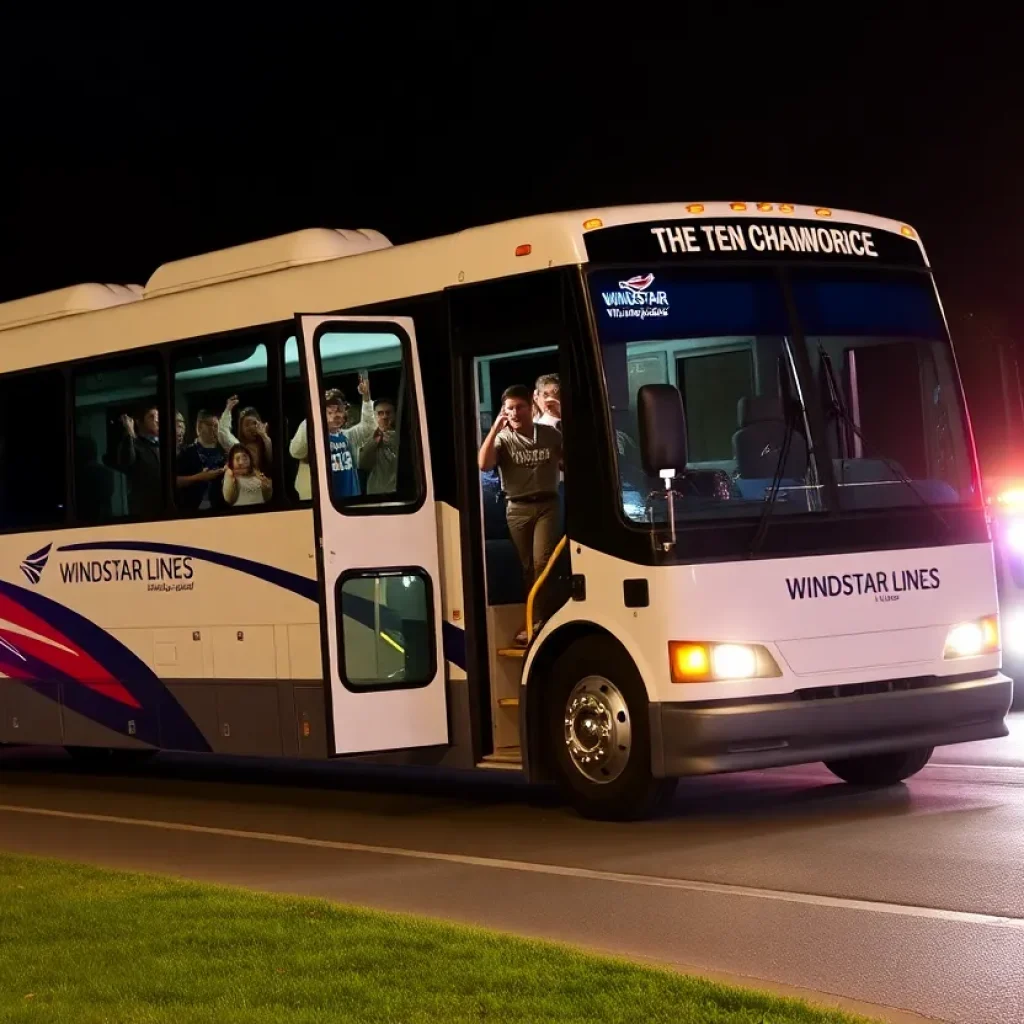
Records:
x=785, y=207
x=738, y=207
x=524, y=250
x=594, y=222
x=764, y=207
x=823, y=211
x=907, y=231
x=695, y=208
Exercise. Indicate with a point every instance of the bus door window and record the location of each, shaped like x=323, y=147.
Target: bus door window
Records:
x=369, y=418
x=369, y=429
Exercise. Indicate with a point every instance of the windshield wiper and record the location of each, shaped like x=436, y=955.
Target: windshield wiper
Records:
x=780, y=468
x=839, y=410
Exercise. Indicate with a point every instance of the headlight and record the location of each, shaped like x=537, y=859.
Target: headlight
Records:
x=699, y=662
x=971, y=639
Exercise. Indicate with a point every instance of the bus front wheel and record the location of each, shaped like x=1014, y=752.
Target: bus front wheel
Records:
x=599, y=734
x=881, y=769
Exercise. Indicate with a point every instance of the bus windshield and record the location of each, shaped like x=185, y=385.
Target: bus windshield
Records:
x=876, y=379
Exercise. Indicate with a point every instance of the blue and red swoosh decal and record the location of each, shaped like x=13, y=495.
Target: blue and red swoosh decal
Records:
x=98, y=676
x=102, y=679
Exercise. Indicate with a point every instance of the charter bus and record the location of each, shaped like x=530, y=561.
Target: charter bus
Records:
x=774, y=547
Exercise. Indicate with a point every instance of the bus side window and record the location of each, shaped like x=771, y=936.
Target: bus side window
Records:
x=222, y=397
x=32, y=450
x=117, y=451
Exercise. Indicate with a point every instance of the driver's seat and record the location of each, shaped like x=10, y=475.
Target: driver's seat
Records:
x=757, y=444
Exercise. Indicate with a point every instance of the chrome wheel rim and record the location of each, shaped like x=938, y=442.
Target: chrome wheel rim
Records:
x=597, y=729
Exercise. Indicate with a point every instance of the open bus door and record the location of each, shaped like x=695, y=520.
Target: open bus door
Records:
x=378, y=557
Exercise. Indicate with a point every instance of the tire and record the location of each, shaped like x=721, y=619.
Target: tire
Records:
x=881, y=769
x=609, y=778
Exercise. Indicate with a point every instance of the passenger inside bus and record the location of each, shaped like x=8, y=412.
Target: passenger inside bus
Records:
x=94, y=483
x=528, y=457
x=252, y=432
x=138, y=458
x=547, y=401
x=378, y=456
x=179, y=432
x=344, y=441
x=201, y=466
x=244, y=484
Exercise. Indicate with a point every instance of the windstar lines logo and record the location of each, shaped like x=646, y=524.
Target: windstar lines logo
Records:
x=640, y=283
x=35, y=563
x=634, y=298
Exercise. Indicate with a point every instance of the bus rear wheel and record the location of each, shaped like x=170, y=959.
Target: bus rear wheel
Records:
x=881, y=769
x=598, y=733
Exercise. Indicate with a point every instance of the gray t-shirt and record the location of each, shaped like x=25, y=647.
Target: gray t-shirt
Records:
x=529, y=465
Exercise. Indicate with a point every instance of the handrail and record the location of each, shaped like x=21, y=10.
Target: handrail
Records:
x=538, y=583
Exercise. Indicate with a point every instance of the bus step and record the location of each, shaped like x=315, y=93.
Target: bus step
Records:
x=508, y=702
x=507, y=758
x=511, y=652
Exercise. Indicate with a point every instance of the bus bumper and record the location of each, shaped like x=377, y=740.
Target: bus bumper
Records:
x=769, y=732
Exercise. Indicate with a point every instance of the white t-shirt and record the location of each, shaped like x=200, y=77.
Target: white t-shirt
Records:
x=249, y=490
x=547, y=419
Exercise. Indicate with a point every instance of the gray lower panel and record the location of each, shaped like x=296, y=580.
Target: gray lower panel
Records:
x=199, y=701
x=310, y=721
x=236, y=717
x=248, y=720
x=80, y=731
x=32, y=715
x=768, y=733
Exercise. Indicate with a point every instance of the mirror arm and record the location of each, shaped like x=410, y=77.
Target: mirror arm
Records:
x=669, y=475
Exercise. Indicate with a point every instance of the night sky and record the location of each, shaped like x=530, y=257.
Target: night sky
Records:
x=125, y=147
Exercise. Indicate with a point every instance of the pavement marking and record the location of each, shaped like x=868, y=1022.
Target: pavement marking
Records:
x=495, y=863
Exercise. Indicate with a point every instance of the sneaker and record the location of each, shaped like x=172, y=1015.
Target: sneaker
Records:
x=521, y=639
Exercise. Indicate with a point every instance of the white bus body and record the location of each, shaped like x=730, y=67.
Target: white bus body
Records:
x=806, y=597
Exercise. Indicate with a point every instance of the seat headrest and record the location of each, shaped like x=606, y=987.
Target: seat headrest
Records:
x=759, y=409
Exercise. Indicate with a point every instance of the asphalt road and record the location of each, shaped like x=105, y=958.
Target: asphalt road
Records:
x=912, y=897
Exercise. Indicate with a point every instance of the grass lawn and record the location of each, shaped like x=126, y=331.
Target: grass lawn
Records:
x=90, y=946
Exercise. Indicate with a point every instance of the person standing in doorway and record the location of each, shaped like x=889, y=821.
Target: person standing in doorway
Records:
x=528, y=457
x=547, y=401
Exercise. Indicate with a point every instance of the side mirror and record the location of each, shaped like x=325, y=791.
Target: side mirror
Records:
x=662, y=422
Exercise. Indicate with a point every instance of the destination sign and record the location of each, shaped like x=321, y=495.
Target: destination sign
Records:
x=749, y=239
